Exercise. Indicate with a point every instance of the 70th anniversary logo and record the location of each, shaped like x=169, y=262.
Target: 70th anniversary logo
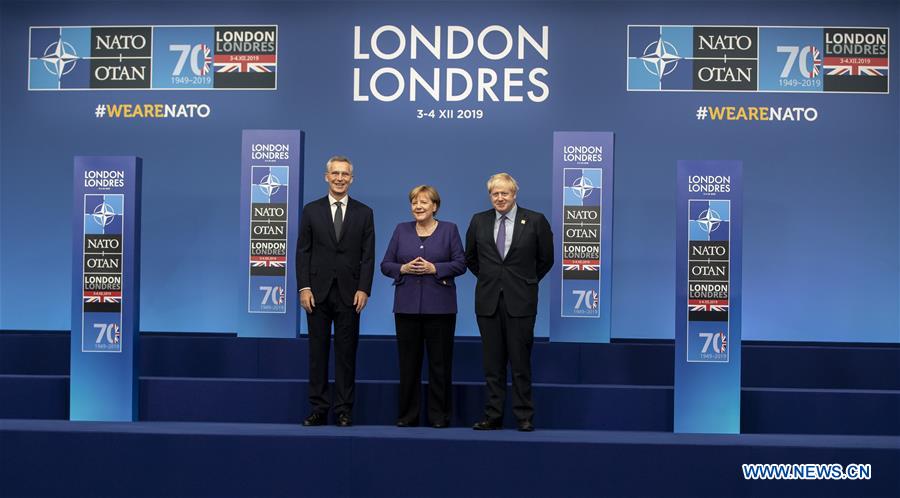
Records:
x=153, y=58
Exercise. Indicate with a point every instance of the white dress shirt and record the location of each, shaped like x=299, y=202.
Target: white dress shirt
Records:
x=332, y=201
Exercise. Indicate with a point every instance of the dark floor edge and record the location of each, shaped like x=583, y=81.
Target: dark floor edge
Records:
x=460, y=434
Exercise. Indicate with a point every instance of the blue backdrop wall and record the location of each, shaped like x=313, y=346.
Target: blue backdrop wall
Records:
x=821, y=251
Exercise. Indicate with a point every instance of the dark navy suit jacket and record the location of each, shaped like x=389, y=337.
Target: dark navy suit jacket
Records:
x=529, y=258
x=323, y=259
x=425, y=294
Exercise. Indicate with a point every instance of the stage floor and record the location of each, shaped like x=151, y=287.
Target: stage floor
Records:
x=220, y=417
x=457, y=434
x=61, y=458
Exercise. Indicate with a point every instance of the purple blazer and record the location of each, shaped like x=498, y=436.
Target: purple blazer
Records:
x=425, y=294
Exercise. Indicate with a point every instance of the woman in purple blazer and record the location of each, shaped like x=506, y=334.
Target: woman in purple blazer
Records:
x=423, y=257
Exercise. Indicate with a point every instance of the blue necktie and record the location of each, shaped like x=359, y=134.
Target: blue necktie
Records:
x=501, y=237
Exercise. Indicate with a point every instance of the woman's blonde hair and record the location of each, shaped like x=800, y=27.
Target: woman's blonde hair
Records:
x=428, y=190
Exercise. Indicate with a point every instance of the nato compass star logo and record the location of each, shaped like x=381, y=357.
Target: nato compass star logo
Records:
x=709, y=220
x=582, y=187
x=60, y=58
x=270, y=185
x=104, y=214
x=660, y=58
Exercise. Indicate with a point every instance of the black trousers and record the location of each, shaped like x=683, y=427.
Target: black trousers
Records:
x=507, y=339
x=346, y=339
x=415, y=333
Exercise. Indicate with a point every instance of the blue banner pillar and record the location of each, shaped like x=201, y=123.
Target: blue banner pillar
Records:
x=582, y=233
x=106, y=225
x=708, y=297
x=271, y=200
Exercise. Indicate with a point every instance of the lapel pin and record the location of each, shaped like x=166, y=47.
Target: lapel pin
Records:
x=522, y=222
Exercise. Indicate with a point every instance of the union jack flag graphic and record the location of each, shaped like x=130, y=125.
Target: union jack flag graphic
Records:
x=707, y=305
x=245, y=63
x=278, y=295
x=267, y=261
x=207, y=59
x=856, y=66
x=592, y=300
x=581, y=265
x=816, y=61
x=116, y=333
x=724, y=341
x=102, y=297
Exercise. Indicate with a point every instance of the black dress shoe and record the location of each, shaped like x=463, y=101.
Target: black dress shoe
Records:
x=440, y=425
x=344, y=420
x=315, y=418
x=487, y=425
x=526, y=426
x=404, y=423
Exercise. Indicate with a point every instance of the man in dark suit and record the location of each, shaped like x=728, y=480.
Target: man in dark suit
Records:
x=509, y=249
x=335, y=265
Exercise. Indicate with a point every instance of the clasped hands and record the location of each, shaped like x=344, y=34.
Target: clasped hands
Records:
x=419, y=266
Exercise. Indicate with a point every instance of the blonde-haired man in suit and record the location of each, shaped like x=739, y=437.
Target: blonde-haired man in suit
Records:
x=509, y=249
